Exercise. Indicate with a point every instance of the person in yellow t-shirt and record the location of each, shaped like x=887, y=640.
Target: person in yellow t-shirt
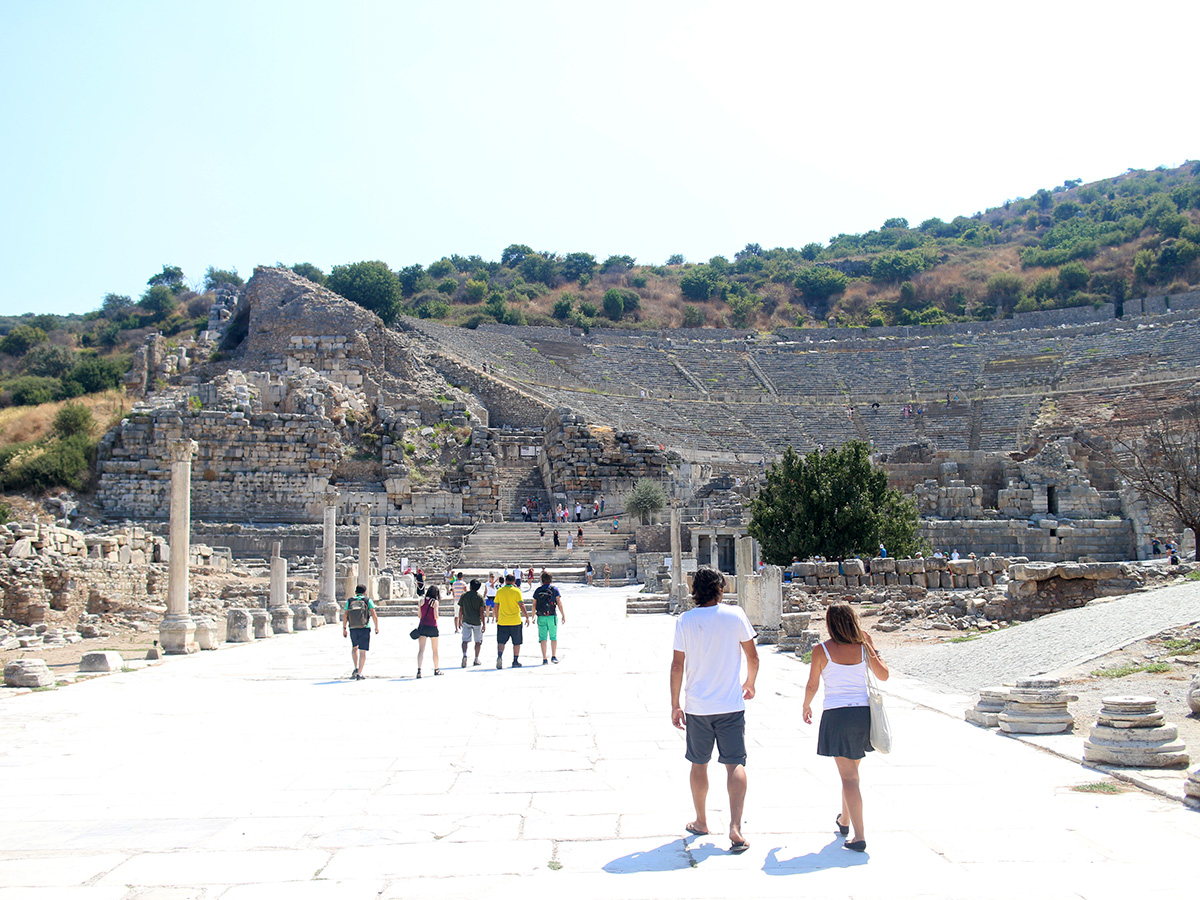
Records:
x=510, y=615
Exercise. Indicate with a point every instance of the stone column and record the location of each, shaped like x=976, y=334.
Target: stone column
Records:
x=177, y=634
x=329, y=548
x=383, y=545
x=677, y=587
x=712, y=550
x=364, y=547
x=281, y=613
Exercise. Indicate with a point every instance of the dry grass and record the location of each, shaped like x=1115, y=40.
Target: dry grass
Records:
x=20, y=424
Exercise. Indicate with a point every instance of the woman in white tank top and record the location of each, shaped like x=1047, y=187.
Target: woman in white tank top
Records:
x=845, y=732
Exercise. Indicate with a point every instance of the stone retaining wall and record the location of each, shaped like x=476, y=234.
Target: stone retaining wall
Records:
x=584, y=461
x=1104, y=540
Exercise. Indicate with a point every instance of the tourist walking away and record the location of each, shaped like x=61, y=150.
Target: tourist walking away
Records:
x=510, y=616
x=547, y=603
x=845, y=732
x=590, y=572
x=710, y=641
x=578, y=511
x=542, y=536
x=556, y=544
x=489, y=598
x=469, y=617
x=357, y=616
x=427, y=629
x=601, y=504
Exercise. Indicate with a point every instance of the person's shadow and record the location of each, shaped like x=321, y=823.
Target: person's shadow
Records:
x=832, y=856
x=670, y=857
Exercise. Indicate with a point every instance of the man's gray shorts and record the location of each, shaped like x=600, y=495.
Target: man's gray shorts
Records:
x=472, y=633
x=727, y=729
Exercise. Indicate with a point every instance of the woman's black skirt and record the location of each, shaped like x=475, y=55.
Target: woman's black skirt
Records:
x=427, y=631
x=845, y=732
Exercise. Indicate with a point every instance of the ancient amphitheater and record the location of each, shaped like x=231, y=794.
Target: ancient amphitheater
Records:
x=431, y=425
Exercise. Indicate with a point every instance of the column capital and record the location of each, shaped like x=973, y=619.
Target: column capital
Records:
x=364, y=509
x=330, y=498
x=183, y=450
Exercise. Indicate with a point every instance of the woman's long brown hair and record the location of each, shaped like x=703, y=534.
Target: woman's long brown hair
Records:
x=842, y=622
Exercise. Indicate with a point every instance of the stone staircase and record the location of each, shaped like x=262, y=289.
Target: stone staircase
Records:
x=518, y=477
x=648, y=605
x=493, y=546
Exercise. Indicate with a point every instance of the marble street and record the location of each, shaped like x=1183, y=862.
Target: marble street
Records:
x=261, y=771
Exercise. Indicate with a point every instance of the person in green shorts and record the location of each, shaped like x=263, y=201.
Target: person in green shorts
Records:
x=547, y=603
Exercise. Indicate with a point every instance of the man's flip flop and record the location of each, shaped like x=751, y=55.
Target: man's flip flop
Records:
x=739, y=847
x=691, y=828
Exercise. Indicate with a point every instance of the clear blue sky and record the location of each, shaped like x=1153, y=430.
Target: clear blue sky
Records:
x=234, y=134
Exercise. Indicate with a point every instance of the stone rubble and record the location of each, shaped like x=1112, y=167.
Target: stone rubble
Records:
x=986, y=711
x=27, y=673
x=1191, y=789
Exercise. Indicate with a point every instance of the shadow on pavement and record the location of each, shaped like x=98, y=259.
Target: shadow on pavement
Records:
x=831, y=856
x=668, y=858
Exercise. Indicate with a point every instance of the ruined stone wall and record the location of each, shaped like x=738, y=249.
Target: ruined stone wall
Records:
x=584, y=461
x=504, y=405
x=888, y=572
x=1104, y=540
x=1037, y=589
x=258, y=465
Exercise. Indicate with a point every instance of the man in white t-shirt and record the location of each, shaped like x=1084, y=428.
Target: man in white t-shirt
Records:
x=710, y=641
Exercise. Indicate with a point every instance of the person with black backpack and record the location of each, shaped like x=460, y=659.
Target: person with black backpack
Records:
x=357, y=616
x=547, y=604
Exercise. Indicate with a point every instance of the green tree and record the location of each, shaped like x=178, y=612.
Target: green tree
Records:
x=159, y=301
x=513, y=254
x=743, y=306
x=94, y=373
x=73, y=419
x=820, y=282
x=214, y=278
x=831, y=503
x=447, y=286
x=49, y=360
x=1072, y=277
x=811, y=251
x=676, y=259
x=30, y=391
x=648, y=498
x=614, y=304
x=1004, y=290
x=698, y=282
x=115, y=305
x=309, y=271
x=413, y=279
x=171, y=277
x=18, y=341
x=441, y=268
x=372, y=285
x=578, y=265
x=541, y=268
x=475, y=290
x=693, y=316
x=617, y=263
x=562, y=307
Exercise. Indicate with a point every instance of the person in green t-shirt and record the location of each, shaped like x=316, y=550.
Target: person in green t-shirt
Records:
x=357, y=616
x=469, y=617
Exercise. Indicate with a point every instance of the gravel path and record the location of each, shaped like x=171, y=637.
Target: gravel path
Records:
x=1053, y=642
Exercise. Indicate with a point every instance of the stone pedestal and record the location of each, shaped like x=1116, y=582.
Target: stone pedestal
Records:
x=349, y=580
x=301, y=617
x=28, y=673
x=1193, y=697
x=1191, y=789
x=262, y=624
x=101, y=661
x=206, y=634
x=1037, y=706
x=239, y=626
x=384, y=588
x=986, y=712
x=177, y=634
x=1130, y=731
x=406, y=586
x=330, y=611
x=281, y=620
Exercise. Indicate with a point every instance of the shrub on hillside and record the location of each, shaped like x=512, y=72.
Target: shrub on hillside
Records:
x=60, y=462
x=48, y=360
x=693, y=317
x=30, y=390
x=73, y=419
x=18, y=341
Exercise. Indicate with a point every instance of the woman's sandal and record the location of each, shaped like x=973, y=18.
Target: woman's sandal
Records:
x=418, y=673
x=437, y=671
x=844, y=829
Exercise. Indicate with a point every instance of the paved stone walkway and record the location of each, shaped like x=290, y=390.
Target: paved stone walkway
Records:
x=1053, y=642
x=258, y=771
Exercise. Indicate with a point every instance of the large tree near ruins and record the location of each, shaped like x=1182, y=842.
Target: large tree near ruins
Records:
x=832, y=503
x=1162, y=461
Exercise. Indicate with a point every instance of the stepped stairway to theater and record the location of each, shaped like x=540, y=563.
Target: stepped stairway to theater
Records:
x=517, y=476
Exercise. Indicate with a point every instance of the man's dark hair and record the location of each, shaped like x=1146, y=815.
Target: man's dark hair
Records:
x=475, y=583
x=707, y=585
x=360, y=589
x=545, y=578
x=508, y=579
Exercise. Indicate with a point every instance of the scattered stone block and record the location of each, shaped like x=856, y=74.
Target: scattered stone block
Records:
x=986, y=711
x=1037, y=706
x=1193, y=697
x=301, y=617
x=281, y=620
x=206, y=633
x=1191, y=789
x=1130, y=731
x=795, y=624
x=28, y=673
x=101, y=661
x=239, y=626
x=262, y=624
